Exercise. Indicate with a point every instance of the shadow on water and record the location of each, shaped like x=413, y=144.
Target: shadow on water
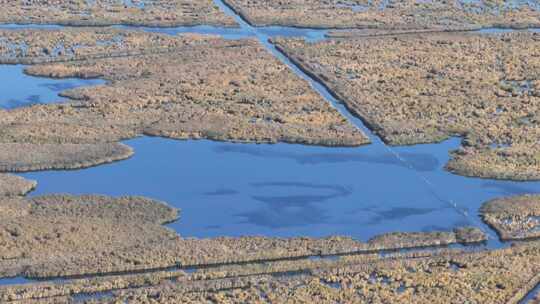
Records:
x=227, y=189
x=283, y=209
x=531, y=295
x=420, y=161
x=235, y=193
x=229, y=193
x=19, y=89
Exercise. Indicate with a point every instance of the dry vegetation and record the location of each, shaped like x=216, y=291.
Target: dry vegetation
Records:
x=409, y=89
x=62, y=235
x=449, y=276
x=389, y=15
x=183, y=87
x=108, y=12
x=425, y=88
x=11, y=185
x=515, y=217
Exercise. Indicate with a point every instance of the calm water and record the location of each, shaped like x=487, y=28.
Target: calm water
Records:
x=18, y=89
x=227, y=189
x=276, y=190
x=237, y=33
x=531, y=295
x=290, y=190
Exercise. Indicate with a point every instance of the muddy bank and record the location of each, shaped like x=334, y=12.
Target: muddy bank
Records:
x=471, y=85
x=398, y=15
x=514, y=218
x=160, y=13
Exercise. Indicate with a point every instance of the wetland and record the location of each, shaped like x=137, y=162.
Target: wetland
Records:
x=226, y=163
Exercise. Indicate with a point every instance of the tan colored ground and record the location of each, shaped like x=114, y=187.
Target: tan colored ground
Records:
x=108, y=12
x=447, y=276
x=31, y=46
x=409, y=14
x=11, y=185
x=245, y=95
x=45, y=156
x=500, y=276
x=63, y=235
x=63, y=229
x=425, y=88
x=515, y=217
x=158, y=85
x=203, y=275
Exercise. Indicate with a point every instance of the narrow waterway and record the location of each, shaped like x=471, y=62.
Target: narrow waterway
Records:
x=231, y=189
x=281, y=190
x=531, y=295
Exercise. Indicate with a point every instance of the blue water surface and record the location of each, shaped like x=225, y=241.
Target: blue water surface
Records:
x=291, y=190
x=233, y=189
x=18, y=89
x=283, y=190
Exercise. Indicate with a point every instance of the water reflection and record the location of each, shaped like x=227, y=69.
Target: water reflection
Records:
x=227, y=33
x=14, y=281
x=284, y=216
x=12, y=26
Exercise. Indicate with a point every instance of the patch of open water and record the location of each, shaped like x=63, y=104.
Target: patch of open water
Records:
x=275, y=190
x=528, y=299
x=279, y=190
x=234, y=189
x=18, y=89
x=289, y=190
